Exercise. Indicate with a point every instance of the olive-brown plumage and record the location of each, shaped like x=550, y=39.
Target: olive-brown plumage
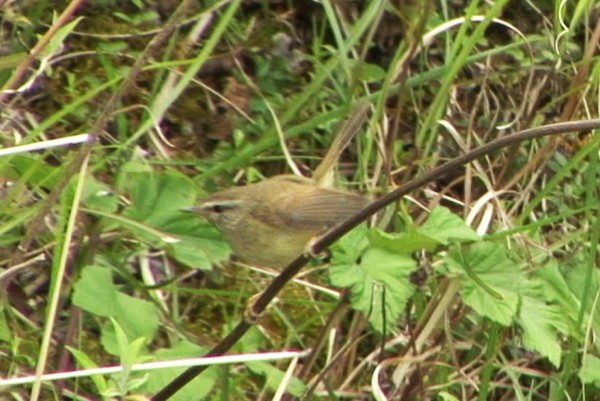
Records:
x=270, y=223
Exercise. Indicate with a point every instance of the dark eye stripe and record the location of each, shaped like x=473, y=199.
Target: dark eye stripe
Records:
x=219, y=207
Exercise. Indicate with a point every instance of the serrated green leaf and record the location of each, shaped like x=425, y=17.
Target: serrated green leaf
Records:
x=555, y=290
x=408, y=242
x=489, y=281
x=579, y=278
x=351, y=246
x=379, y=285
x=540, y=323
x=445, y=227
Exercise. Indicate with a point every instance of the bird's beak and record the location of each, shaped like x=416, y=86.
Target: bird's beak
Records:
x=190, y=209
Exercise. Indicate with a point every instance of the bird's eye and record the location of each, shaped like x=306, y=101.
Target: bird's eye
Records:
x=217, y=208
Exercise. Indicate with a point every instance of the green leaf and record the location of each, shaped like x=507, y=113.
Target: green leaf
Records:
x=5, y=333
x=56, y=42
x=275, y=376
x=130, y=352
x=351, y=246
x=113, y=48
x=197, y=389
x=578, y=278
x=379, y=284
x=253, y=341
x=31, y=170
x=590, y=371
x=366, y=72
x=556, y=291
x=407, y=242
x=97, y=195
x=441, y=228
x=156, y=201
x=95, y=292
x=445, y=227
x=490, y=282
x=155, y=197
x=88, y=363
x=200, y=244
x=142, y=322
x=444, y=396
x=541, y=323
x=200, y=251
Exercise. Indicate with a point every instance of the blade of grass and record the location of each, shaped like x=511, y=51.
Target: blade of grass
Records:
x=58, y=273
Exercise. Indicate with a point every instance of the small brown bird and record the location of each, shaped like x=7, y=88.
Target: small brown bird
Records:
x=270, y=223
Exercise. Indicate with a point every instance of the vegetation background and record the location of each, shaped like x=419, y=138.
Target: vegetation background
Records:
x=483, y=285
